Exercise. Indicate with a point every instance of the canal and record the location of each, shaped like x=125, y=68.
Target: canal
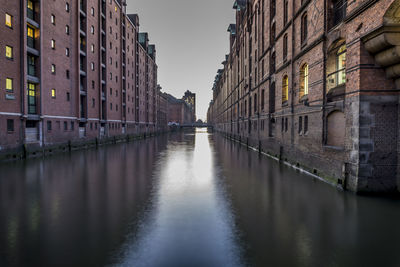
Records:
x=186, y=199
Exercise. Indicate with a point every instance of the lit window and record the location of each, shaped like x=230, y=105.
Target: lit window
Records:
x=9, y=52
x=8, y=20
x=92, y=30
x=92, y=65
x=67, y=52
x=53, y=44
x=304, y=80
x=53, y=68
x=53, y=93
x=92, y=11
x=53, y=19
x=115, y=9
x=9, y=85
x=92, y=48
x=341, y=65
x=285, y=89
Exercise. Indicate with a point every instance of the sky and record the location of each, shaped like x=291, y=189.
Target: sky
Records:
x=191, y=40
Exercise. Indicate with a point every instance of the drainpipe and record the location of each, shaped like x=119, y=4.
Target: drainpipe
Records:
x=324, y=76
x=22, y=72
x=292, y=87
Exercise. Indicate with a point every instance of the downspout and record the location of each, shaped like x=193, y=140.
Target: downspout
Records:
x=22, y=70
x=324, y=74
x=292, y=87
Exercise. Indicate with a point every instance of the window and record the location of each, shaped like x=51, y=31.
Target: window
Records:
x=92, y=11
x=93, y=102
x=285, y=11
x=68, y=97
x=30, y=11
x=303, y=80
x=53, y=93
x=72, y=125
x=273, y=33
x=110, y=106
x=337, y=12
x=53, y=69
x=67, y=29
x=92, y=48
x=255, y=103
x=65, y=126
x=31, y=66
x=53, y=44
x=93, y=84
x=336, y=66
x=10, y=126
x=286, y=124
x=67, y=52
x=305, y=124
x=262, y=99
x=49, y=126
x=92, y=29
x=92, y=66
x=31, y=98
x=9, y=85
x=31, y=37
x=53, y=20
x=67, y=74
x=9, y=52
x=67, y=7
x=341, y=65
x=273, y=8
x=285, y=89
x=285, y=47
x=300, y=125
x=8, y=20
x=273, y=58
x=304, y=28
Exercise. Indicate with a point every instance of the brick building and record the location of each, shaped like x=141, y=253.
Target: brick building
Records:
x=190, y=99
x=179, y=111
x=162, y=110
x=73, y=70
x=315, y=83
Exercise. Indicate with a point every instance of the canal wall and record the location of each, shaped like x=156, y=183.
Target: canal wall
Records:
x=331, y=171
x=27, y=151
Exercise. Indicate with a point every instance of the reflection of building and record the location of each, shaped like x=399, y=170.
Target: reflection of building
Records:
x=179, y=111
x=316, y=83
x=190, y=99
x=74, y=70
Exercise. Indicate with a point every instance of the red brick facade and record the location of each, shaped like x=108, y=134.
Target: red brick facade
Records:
x=313, y=83
x=77, y=72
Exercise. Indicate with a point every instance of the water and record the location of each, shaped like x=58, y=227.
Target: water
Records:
x=188, y=199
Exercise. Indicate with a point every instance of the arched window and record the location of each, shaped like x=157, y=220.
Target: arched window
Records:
x=336, y=66
x=303, y=80
x=285, y=11
x=285, y=89
x=304, y=28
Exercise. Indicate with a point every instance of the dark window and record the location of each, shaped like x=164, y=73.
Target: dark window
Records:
x=300, y=124
x=67, y=74
x=65, y=126
x=286, y=124
x=285, y=47
x=10, y=126
x=337, y=12
x=305, y=124
x=68, y=97
x=273, y=8
x=72, y=126
x=304, y=30
x=48, y=125
x=285, y=11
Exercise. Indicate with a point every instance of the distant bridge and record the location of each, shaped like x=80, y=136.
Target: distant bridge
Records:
x=191, y=125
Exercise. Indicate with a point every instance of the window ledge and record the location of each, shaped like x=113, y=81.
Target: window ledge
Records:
x=285, y=103
x=333, y=148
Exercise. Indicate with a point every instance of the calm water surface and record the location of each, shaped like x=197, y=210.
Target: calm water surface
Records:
x=187, y=199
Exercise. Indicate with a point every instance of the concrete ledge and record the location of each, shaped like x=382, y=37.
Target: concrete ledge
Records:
x=27, y=151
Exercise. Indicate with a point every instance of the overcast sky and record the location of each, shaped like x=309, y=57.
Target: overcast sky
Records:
x=191, y=42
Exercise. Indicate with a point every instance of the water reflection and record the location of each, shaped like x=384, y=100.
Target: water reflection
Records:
x=74, y=209
x=289, y=219
x=188, y=199
x=190, y=223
